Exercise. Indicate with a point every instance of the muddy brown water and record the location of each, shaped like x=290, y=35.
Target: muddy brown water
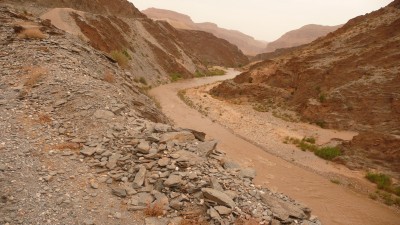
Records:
x=333, y=204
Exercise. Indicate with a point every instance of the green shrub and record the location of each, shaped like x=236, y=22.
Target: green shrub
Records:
x=309, y=140
x=217, y=72
x=322, y=97
x=382, y=181
x=328, y=153
x=120, y=58
x=175, y=76
x=143, y=80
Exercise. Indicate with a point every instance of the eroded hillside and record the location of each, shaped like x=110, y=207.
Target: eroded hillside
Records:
x=152, y=52
x=301, y=36
x=246, y=43
x=347, y=80
x=81, y=143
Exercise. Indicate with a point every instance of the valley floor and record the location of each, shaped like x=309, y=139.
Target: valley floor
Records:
x=256, y=139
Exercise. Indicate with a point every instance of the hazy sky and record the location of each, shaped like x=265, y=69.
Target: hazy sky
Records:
x=267, y=19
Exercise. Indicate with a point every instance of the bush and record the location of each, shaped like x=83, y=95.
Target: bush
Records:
x=382, y=181
x=33, y=33
x=109, y=77
x=120, y=58
x=143, y=80
x=309, y=140
x=153, y=210
x=176, y=77
x=217, y=72
x=328, y=153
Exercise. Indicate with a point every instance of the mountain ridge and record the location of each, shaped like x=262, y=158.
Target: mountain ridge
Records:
x=246, y=43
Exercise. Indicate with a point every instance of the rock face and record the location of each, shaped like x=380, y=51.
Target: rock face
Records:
x=98, y=151
x=301, y=36
x=346, y=80
x=247, y=44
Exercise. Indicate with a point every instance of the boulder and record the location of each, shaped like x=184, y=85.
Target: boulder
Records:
x=219, y=197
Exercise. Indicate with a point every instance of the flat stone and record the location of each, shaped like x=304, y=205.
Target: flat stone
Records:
x=222, y=210
x=87, y=151
x=215, y=184
x=103, y=114
x=162, y=128
x=139, y=178
x=60, y=102
x=218, y=197
x=143, y=147
x=112, y=161
x=173, y=180
x=120, y=192
x=94, y=184
x=183, y=136
x=285, y=210
x=141, y=199
x=248, y=173
x=229, y=164
x=163, y=161
x=206, y=148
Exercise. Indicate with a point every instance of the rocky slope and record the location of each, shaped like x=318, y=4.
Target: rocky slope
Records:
x=301, y=36
x=246, y=43
x=346, y=80
x=152, y=50
x=82, y=144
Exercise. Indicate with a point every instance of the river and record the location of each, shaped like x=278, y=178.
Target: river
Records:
x=332, y=203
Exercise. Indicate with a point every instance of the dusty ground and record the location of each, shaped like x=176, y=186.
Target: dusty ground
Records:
x=269, y=132
x=334, y=204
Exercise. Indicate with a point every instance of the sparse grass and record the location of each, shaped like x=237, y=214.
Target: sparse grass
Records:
x=308, y=144
x=44, y=118
x=328, y=153
x=216, y=72
x=322, y=97
x=335, y=181
x=143, y=80
x=120, y=58
x=34, y=75
x=382, y=181
x=175, y=76
x=109, y=77
x=154, y=210
x=284, y=116
x=33, y=33
x=309, y=140
x=67, y=145
x=320, y=123
x=260, y=107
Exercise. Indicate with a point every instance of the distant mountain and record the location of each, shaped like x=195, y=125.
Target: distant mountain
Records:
x=303, y=35
x=246, y=43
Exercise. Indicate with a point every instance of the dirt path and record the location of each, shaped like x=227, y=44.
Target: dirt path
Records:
x=332, y=203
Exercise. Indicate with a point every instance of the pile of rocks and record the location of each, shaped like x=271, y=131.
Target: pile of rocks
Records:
x=171, y=168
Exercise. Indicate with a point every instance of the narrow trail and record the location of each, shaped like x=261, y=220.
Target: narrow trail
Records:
x=332, y=203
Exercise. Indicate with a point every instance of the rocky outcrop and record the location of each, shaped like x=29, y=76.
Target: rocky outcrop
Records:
x=301, y=36
x=346, y=80
x=82, y=144
x=247, y=44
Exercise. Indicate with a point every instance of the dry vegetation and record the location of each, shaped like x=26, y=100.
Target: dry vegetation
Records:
x=44, y=118
x=33, y=76
x=153, y=210
x=109, y=77
x=121, y=58
x=67, y=145
x=33, y=33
